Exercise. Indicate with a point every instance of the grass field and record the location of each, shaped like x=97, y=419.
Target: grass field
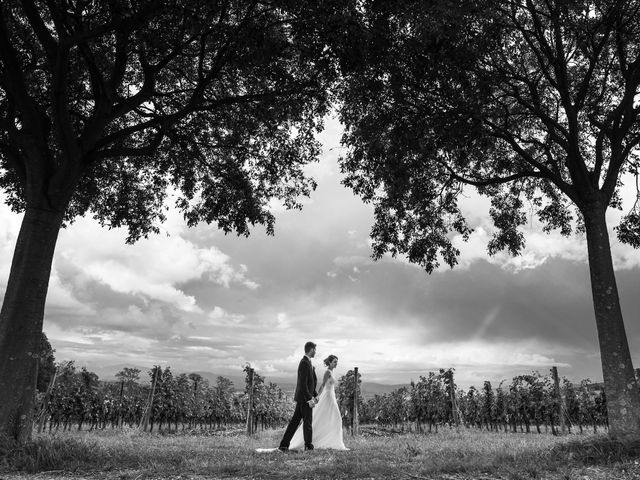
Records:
x=449, y=454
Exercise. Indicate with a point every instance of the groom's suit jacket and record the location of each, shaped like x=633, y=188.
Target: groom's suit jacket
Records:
x=307, y=380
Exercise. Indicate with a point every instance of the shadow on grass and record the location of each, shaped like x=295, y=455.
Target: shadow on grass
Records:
x=600, y=450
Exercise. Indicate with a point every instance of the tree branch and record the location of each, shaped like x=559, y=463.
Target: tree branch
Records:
x=631, y=145
x=493, y=180
x=542, y=169
x=145, y=150
x=597, y=169
x=44, y=36
x=15, y=84
x=190, y=107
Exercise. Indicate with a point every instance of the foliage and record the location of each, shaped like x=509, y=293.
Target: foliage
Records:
x=186, y=401
x=217, y=101
x=270, y=406
x=529, y=401
x=128, y=375
x=46, y=364
x=189, y=402
x=530, y=102
x=346, y=389
x=119, y=108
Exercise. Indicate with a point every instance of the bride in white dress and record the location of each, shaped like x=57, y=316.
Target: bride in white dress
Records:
x=327, y=421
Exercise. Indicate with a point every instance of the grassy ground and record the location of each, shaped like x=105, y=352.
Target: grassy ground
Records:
x=451, y=455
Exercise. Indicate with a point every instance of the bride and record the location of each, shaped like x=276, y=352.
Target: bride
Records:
x=327, y=421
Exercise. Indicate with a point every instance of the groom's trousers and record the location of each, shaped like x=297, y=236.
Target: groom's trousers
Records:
x=305, y=413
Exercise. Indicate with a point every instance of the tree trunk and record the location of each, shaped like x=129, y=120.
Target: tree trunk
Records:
x=21, y=320
x=623, y=402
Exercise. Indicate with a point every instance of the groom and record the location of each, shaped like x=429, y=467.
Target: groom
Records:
x=305, y=398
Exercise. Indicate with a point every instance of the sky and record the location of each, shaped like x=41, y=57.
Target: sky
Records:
x=195, y=299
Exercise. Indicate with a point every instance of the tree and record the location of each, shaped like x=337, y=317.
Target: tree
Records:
x=223, y=400
x=108, y=107
x=346, y=390
x=196, y=378
x=46, y=364
x=128, y=375
x=525, y=100
x=488, y=406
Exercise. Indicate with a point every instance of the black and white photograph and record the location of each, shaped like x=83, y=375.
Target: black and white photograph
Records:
x=320, y=239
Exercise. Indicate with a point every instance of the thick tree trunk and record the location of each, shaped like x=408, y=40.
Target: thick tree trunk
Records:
x=623, y=402
x=21, y=320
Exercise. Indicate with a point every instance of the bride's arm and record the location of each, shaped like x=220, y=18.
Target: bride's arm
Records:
x=327, y=374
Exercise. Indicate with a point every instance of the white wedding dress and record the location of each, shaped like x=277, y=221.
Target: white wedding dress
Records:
x=326, y=423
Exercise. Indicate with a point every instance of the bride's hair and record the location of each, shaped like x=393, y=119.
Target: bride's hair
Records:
x=329, y=359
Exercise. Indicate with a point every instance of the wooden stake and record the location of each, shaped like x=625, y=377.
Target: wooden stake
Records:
x=561, y=409
x=354, y=428
x=120, y=419
x=454, y=406
x=43, y=411
x=250, y=404
x=147, y=413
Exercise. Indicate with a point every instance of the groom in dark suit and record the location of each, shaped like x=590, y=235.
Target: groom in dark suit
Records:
x=305, y=398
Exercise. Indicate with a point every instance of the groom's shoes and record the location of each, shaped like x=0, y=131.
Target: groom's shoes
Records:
x=283, y=449
x=308, y=447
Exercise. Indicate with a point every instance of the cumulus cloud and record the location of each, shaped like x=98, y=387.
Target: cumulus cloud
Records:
x=153, y=268
x=110, y=300
x=540, y=246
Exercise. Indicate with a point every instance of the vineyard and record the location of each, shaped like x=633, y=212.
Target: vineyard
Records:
x=76, y=398
x=530, y=403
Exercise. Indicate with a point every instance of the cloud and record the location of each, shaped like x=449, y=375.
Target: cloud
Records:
x=8, y=234
x=220, y=317
x=540, y=247
x=382, y=358
x=199, y=300
x=152, y=269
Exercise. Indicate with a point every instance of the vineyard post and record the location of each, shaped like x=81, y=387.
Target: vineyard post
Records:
x=120, y=418
x=354, y=426
x=43, y=411
x=561, y=409
x=454, y=407
x=250, y=404
x=147, y=412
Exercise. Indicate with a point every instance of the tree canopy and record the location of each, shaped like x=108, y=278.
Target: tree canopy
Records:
x=533, y=103
x=215, y=101
x=523, y=100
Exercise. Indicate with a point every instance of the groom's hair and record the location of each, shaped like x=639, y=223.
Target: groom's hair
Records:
x=308, y=346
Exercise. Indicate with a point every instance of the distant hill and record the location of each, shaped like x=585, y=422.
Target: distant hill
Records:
x=369, y=389
x=108, y=373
